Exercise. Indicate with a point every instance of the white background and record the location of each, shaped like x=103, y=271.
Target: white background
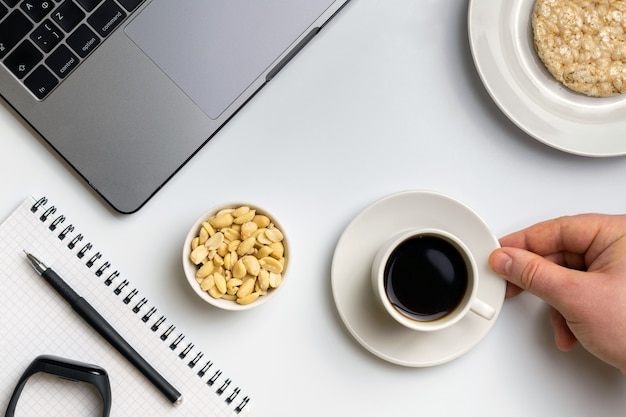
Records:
x=385, y=99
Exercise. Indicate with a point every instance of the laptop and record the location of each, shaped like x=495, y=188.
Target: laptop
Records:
x=127, y=91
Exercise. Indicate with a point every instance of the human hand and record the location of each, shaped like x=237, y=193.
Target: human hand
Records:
x=577, y=264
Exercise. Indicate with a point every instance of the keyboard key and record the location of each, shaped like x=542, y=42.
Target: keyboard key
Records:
x=47, y=36
x=62, y=61
x=89, y=5
x=41, y=82
x=12, y=30
x=68, y=15
x=37, y=9
x=38, y=54
x=130, y=5
x=23, y=59
x=106, y=18
x=83, y=40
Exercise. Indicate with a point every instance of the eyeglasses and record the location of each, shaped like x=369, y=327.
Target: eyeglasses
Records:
x=68, y=369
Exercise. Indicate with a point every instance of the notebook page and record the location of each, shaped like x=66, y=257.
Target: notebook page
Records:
x=35, y=320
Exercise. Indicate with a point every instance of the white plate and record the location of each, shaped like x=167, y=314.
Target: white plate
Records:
x=501, y=42
x=352, y=290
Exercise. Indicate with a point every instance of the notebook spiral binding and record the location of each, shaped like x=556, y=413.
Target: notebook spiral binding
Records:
x=139, y=306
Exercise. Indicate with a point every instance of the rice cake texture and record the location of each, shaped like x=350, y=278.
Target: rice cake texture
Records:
x=582, y=43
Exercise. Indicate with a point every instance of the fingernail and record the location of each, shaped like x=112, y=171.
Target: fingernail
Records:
x=501, y=263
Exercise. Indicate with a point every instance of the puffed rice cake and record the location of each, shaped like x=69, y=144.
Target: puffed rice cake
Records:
x=583, y=44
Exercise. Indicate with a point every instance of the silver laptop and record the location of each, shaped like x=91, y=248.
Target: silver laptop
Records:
x=127, y=91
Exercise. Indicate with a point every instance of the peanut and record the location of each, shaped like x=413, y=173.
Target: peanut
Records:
x=205, y=270
x=246, y=247
x=240, y=255
x=215, y=241
x=249, y=298
x=275, y=279
x=246, y=288
x=220, y=282
x=252, y=265
x=271, y=264
x=199, y=254
x=247, y=229
x=261, y=221
x=222, y=220
x=239, y=269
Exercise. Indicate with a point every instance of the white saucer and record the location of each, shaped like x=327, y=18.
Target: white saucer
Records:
x=352, y=290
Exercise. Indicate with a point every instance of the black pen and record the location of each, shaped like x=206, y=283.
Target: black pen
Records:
x=98, y=323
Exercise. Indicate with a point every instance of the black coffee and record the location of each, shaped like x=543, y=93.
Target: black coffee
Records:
x=425, y=277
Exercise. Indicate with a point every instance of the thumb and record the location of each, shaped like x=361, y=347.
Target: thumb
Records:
x=533, y=273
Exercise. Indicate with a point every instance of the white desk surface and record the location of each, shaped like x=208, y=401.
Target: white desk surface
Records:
x=385, y=99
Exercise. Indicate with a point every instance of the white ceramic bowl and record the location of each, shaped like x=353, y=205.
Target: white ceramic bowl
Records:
x=190, y=268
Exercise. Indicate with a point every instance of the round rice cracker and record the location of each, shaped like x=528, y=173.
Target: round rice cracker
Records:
x=582, y=43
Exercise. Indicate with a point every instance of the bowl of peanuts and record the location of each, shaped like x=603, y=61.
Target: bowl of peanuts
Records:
x=235, y=256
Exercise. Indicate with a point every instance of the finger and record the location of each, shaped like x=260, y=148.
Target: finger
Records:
x=569, y=236
x=533, y=273
x=563, y=336
x=512, y=290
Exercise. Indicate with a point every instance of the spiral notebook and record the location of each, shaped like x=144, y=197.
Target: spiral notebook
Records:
x=35, y=320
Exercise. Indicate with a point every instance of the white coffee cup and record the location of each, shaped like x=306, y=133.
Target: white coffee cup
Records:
x=427, y=279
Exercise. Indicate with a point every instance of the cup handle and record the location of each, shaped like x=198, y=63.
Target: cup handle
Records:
x=483, y=309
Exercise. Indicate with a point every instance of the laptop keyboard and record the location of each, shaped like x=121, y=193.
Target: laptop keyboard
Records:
x=43, y=41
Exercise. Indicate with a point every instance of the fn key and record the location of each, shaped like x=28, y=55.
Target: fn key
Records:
x=40, y=82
